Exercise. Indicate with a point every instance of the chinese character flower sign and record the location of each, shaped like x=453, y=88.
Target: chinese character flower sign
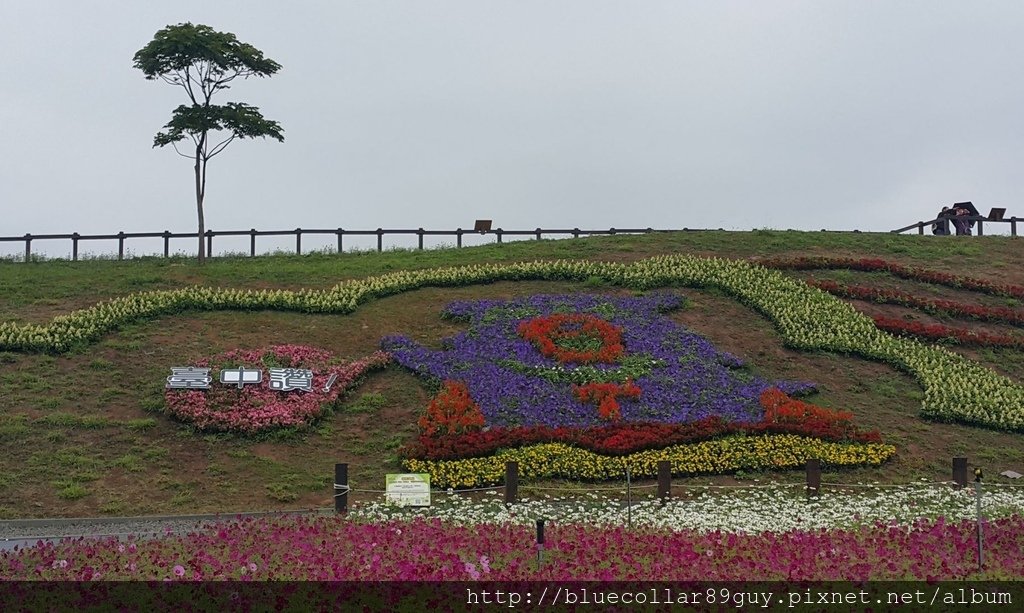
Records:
x=259, y=407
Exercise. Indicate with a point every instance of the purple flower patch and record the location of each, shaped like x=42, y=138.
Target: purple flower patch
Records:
x=682, y=377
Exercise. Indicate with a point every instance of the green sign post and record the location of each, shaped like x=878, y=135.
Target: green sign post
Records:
x=408, y=490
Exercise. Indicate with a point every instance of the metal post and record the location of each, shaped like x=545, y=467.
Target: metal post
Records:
x=120, y=245
x=664, y=480
x=209, y=243
x=298, y=241
x=252, y=242
x=419, y=233
x=380, y=240
x=977, y=489
x=1013, y=226
x=341, y=488
x=340, y=233
x=511, y=481
x=458, y=238
x=167, y=243
x=540, y=542
x=74, y=246
x=629, y=501
x=960, y=471
x=28, y=247
x=813, y=477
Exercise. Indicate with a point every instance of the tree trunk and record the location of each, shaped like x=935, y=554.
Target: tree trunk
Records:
x=200, y=189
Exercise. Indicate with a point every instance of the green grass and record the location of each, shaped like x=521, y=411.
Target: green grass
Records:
x=85, y=434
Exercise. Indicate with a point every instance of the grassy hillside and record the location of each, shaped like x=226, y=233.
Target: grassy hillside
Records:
x=84, y=433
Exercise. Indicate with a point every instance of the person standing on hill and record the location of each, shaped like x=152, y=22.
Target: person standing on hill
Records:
x=963, y=225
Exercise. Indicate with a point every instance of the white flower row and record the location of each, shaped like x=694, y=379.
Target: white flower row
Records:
x=776, y=509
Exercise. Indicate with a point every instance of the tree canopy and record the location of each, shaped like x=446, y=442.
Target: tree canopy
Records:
x=203, y=61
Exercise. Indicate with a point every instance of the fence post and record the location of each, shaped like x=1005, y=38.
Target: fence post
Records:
x=28, y=247
x=167, y=243
x=298, y=241
x=981, y=229
x=538, y=233
x=120, y=245
x=575, y=232
x=341, y=488
x=458, y=237
x=252, y=242
x=511, y=482
x=1013, y=226
x=419, y=233
x=611, y=231
x=74, y=246
x=960, y=471
x=498, y=233
x=209, y=243
x=813, y=477
x=920, y=227
x=664, y=480
x=340, y=233
x=380, y=240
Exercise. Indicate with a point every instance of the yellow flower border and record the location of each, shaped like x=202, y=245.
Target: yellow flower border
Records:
x=724, y=455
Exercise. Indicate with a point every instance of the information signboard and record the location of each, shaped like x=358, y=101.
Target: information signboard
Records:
x=408, y=490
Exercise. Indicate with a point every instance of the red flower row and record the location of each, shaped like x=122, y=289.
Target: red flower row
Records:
x=898, y=270
x=937, y=332
x=605, y=395
x=783, y=415
x=549, y=332
x=948, y=307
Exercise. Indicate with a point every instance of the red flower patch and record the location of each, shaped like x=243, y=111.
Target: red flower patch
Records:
x=604, y=395
x=574, y=338
x=452, y=411
x=783, y=415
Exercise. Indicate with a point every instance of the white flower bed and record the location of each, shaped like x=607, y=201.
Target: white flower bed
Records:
x=776, y=508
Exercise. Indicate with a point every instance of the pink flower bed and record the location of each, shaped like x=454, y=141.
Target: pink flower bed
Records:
x=256, y=407
x=333, y=549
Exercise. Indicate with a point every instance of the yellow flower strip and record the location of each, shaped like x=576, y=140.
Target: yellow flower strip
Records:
x=557, y=460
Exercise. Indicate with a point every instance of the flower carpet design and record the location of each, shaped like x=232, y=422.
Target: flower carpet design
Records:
x=956, y=389
x=257, y=408
x=582, y=386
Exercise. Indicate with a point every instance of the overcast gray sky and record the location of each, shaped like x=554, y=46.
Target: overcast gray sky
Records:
x=804, y=114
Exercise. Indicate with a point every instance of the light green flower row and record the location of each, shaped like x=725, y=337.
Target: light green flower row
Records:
x=956, y=389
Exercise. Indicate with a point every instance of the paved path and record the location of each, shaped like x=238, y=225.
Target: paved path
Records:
x=26, y=532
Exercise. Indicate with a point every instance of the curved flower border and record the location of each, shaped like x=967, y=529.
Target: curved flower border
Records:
x=955, y=388
x=257, y=408
x=723, y=455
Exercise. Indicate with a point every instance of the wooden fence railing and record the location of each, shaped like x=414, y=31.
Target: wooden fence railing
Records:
x=511, y=485
x=298, y=233
x=921, y=225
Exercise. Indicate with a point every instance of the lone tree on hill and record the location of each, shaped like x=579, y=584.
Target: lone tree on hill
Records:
x=203, y=61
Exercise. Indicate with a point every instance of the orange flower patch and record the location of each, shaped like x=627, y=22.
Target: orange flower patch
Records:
x=604, y=395
x=452, y=411
x=574, y=338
